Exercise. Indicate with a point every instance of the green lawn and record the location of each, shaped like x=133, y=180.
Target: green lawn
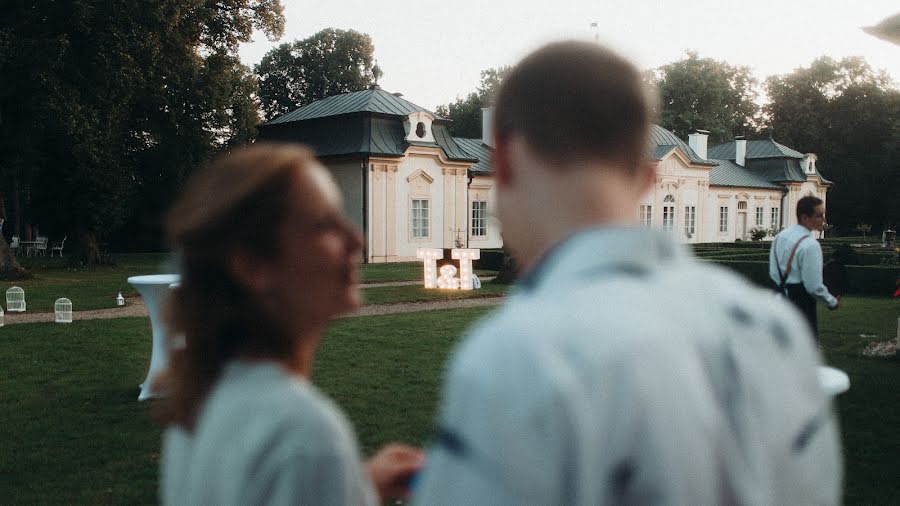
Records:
x=417, y=293
x=870, y=410
x=97, y=287
x=73, y=431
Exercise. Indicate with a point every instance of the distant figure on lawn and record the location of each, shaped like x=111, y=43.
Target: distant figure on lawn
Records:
x=623, y=371
x=267, y=261
x=795, y=262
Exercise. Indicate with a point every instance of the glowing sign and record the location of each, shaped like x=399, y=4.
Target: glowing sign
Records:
x=448, y=279
x=430, y=256
x=465, y=257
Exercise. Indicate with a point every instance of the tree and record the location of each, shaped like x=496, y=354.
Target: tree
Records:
x=465, y=113
x=328, y=63
x=849, y=115
x=702, y=93
x=98, y=95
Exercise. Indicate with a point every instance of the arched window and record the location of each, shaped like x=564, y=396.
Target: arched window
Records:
x=668, y=217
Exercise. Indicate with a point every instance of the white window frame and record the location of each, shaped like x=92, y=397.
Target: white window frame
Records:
x=723, y=219
x=775, y=217
x=760, y=215
x=690, y=220
x=479, y=218
x=668, y=218
x=647, y=215
x=419, y=225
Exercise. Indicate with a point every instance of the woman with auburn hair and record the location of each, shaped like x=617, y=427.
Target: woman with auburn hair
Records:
x=267, y=261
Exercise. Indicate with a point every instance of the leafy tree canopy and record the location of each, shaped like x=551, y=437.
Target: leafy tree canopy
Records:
x=104, y=101
x=328, y=63
x=849, y=115
x=465, y=113
x=703, y=93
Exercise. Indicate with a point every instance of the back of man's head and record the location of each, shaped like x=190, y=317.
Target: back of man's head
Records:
x=807, y=206
x=576, y=101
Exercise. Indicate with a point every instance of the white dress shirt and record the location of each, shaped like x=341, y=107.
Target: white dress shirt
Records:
x=625, y=372
x=806, y=265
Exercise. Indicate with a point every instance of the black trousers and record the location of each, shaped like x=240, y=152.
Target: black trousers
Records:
x=805, y=303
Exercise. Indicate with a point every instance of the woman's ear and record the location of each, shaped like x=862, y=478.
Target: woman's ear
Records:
x=251, y=272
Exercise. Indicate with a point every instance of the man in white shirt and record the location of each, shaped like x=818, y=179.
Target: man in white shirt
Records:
x=795, y=261
x=622, y=371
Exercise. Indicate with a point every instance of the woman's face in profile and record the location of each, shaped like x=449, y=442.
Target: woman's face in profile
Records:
x=317, y=270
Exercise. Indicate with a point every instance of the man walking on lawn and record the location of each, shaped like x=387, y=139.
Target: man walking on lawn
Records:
x=622, y=371
x=795, y=262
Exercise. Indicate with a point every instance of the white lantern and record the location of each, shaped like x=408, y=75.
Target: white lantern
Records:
x=120, y=301
x=63, y=310
x=2, y=316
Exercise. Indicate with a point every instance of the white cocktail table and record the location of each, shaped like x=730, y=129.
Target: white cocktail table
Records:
x=154, y=289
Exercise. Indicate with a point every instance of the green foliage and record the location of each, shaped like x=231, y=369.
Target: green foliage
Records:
x=863, y=228
x=106, y=105
x=328, y=63
x=758, y=233
x=702, y=93
x=868, y=279
x=465, y=113
x=845, y=254
x=849, y=115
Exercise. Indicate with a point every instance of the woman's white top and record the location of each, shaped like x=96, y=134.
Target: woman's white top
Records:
x=264, y=436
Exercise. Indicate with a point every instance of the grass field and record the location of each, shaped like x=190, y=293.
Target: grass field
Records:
x=97, y=287
x=74, y=433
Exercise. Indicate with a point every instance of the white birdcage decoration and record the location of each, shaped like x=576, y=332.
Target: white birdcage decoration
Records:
x=15, y=300
x=63, y=309
x=120, y=301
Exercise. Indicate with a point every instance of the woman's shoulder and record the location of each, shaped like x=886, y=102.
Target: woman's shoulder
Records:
x=263, y=401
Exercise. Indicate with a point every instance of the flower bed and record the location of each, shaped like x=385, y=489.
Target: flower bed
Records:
x=882, y=349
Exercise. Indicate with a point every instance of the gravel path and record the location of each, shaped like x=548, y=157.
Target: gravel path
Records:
x=134, y=306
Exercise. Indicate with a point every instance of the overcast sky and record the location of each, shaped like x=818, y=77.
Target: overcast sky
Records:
x=433, y=51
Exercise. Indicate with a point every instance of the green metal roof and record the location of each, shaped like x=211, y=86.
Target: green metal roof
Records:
x=479, y=150
x=375, y=101
x=360, y=134
x=662, y=141
x=755, y=149
x=728, y=173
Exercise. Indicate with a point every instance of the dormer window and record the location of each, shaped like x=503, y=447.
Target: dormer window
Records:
x=809, y=163
x=417, y=127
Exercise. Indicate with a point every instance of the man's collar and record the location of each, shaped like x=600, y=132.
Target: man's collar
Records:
x=602, y=249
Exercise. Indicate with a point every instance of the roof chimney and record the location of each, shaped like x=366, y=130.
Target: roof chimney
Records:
x=697, y=142
x=740, y=150
x=487, y=126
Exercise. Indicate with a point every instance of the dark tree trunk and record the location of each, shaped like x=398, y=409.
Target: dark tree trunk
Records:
x=87, y=245
x=9, y=266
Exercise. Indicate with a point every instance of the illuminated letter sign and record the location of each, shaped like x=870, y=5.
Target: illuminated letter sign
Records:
x=430, y=256
x=465, y=257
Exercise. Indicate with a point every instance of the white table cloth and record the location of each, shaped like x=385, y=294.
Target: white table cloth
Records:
x=154, y=289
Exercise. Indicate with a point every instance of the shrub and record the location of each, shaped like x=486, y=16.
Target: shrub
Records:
x=845, y=254
x=877, y=280
x=758, y=233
